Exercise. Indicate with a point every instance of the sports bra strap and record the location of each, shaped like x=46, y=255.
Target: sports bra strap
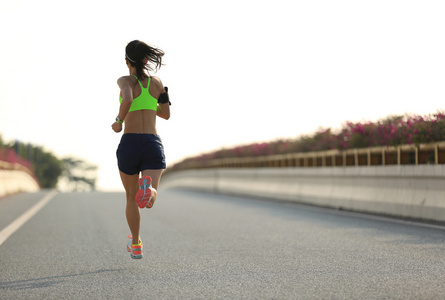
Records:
x=144, y=100
x=140, y=83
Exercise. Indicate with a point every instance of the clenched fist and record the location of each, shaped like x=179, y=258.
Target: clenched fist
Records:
x=117, y=127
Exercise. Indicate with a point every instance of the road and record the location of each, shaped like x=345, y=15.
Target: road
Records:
x=204, y=246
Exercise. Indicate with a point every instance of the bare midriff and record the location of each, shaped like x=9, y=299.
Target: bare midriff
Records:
x=141, y=121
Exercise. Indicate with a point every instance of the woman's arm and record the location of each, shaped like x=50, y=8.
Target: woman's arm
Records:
x=163, y=111
x=127, y=99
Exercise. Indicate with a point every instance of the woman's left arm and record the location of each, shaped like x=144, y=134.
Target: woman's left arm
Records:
x=127, y=99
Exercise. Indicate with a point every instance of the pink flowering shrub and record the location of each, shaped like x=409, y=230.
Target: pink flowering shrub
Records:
x=395, y=130
x=391, y=131
x=9, y=155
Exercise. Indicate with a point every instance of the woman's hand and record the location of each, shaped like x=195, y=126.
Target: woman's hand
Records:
x=117, y=127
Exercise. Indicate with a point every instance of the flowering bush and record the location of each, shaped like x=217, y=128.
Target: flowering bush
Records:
x=391, y=131
x=396, y=130
x=9, y=155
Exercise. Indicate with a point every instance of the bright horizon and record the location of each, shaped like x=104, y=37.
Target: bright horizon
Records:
x=238, y=72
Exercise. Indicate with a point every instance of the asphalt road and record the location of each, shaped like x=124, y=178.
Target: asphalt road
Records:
x=204, y=246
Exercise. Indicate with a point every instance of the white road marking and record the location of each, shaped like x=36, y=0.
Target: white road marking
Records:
x=25, y=217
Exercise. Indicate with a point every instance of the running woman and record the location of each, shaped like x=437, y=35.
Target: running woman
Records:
x=143, y=98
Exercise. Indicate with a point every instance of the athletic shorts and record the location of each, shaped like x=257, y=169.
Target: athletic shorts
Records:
x=138, y=151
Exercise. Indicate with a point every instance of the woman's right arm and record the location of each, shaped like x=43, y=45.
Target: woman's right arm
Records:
x=163, y=109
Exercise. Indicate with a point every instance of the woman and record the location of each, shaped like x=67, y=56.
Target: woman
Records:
x=143, y=98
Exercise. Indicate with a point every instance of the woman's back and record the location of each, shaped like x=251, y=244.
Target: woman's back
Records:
x=140, y=118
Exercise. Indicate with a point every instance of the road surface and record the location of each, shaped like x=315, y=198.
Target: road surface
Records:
x=205, y=246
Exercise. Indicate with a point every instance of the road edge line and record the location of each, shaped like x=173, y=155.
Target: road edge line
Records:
x=9, y=230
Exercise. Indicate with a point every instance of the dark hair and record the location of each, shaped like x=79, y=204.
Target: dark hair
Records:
x=139, y=54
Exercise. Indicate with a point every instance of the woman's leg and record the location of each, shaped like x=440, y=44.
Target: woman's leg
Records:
x=132, y=212
x=155, y=179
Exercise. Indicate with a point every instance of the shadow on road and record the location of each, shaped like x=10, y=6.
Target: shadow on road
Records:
x=46, y=281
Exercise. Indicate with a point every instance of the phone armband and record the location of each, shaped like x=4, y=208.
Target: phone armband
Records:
x=163, y=98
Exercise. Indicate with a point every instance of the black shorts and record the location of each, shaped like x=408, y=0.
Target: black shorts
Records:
x=138, y=152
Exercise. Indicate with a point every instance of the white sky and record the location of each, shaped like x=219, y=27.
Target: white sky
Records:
x=238, y=71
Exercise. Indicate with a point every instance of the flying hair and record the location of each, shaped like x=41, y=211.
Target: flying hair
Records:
x=144, y=57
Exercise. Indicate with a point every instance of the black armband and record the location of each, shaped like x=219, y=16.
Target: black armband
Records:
x=163, y=98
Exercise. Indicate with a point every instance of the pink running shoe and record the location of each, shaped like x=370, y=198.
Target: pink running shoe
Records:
x=143, y=196
x=135, y=250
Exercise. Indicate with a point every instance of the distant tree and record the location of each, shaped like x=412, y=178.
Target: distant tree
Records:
x=47, y=169
x=78, y=175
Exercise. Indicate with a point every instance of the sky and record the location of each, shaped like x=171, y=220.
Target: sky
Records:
x=238, y=72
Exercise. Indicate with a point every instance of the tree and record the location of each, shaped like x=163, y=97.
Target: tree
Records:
x=48, y=168
x=78, y=175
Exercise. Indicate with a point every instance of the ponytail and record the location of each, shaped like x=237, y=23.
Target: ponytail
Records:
x=143, y=57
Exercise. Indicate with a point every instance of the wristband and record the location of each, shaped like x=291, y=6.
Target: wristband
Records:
x=118, y=120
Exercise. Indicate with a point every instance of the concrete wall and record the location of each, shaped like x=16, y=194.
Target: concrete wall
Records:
x=404, y=191
x=15, y=181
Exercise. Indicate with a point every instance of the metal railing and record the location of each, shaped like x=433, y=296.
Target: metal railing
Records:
x=376, y=156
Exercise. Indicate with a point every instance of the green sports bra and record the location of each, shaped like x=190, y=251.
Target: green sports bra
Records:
x=144, y=100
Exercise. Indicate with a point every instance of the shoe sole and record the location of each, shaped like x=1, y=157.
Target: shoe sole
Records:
x=143, y=196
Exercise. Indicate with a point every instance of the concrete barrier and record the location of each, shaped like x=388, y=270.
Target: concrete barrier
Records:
x=16, y=181
x=403, y=191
